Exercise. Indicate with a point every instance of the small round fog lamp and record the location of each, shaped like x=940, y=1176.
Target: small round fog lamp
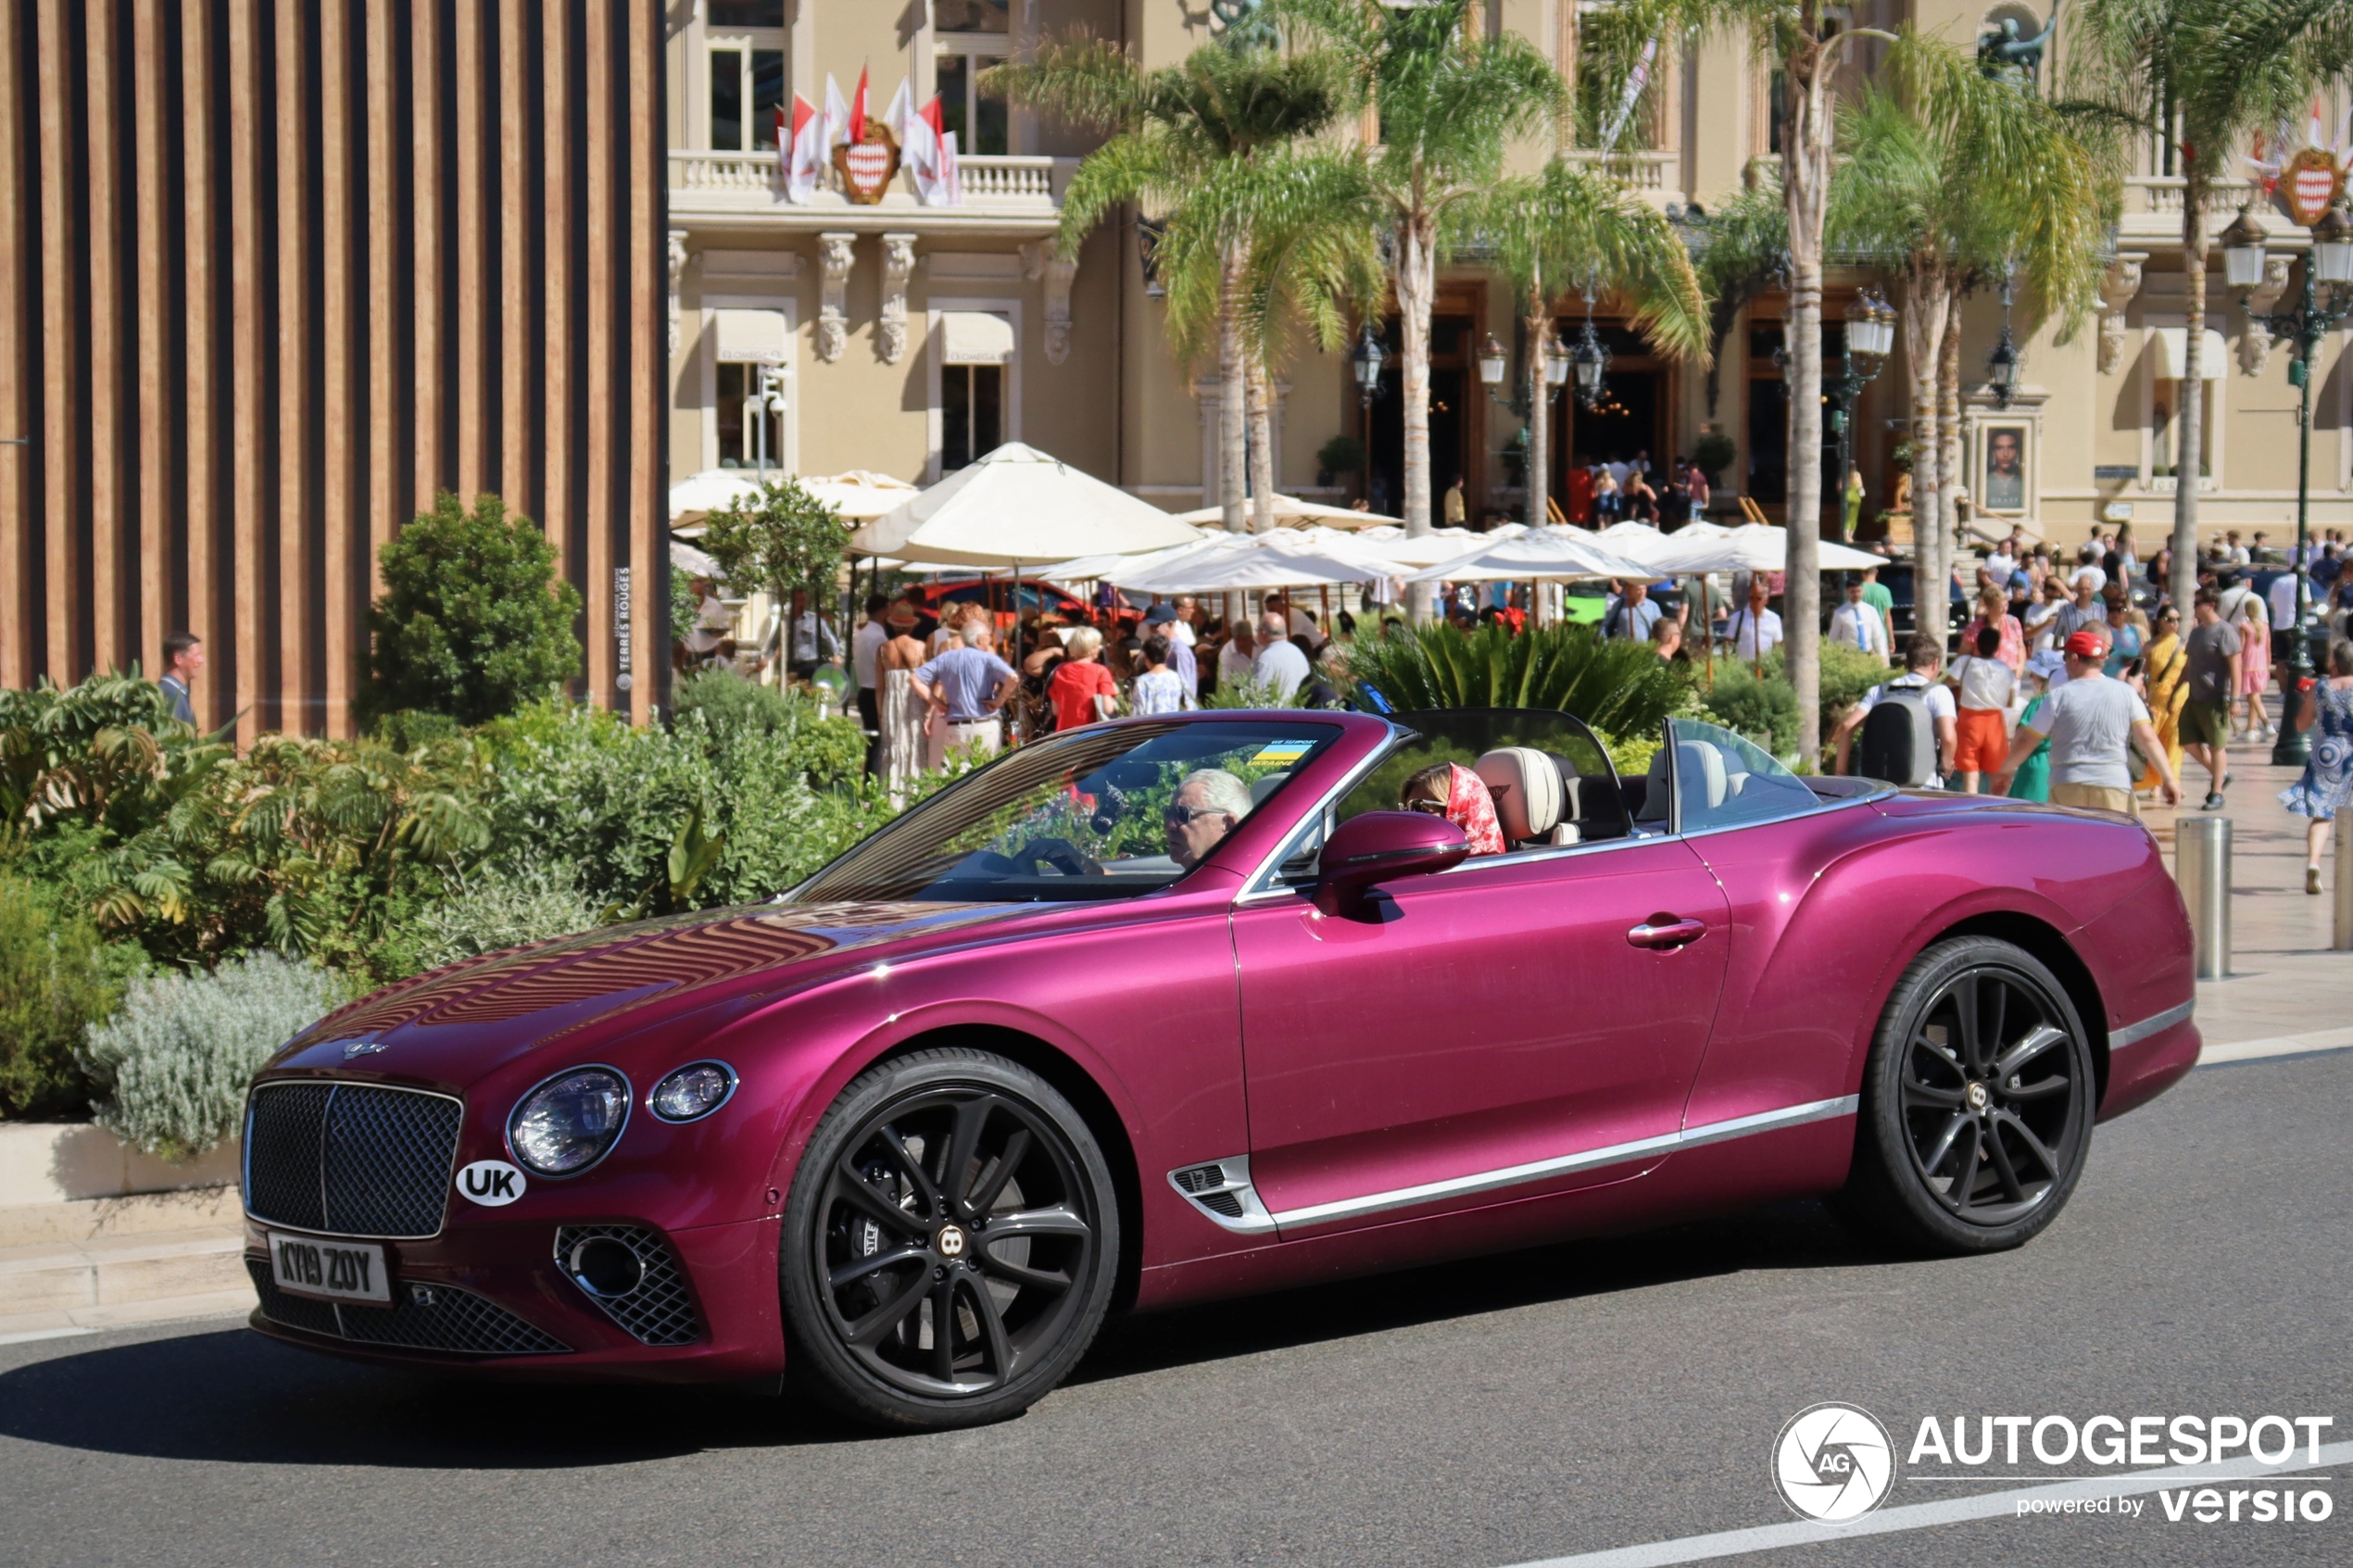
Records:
x=604, y=1266
x=692, y=1092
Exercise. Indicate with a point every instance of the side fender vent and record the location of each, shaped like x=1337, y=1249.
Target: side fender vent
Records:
x=1221, y=1189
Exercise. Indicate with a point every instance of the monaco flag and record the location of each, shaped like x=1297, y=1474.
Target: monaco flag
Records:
x=801, y=143
x=845, y=123
x=922, y=151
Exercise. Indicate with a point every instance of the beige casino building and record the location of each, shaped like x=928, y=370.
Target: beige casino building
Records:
x=907, y=338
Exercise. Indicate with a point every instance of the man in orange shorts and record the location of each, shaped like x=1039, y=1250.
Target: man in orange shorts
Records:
x=1986, y=686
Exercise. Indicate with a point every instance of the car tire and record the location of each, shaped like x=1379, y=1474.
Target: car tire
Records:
x=1977, y=1103
x=1015, y=1250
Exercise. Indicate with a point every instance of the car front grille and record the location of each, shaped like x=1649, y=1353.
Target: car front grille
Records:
x=421, y=1317
x=659, y=1311
x=350, y=1159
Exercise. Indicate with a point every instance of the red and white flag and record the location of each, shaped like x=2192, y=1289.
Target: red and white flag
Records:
x=800, y=142
x=921, y=151
x=837, y=115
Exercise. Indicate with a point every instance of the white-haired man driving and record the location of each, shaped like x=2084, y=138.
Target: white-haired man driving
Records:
x=1206, y=807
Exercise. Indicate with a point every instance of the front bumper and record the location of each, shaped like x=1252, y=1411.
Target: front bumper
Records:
x=490, y=1298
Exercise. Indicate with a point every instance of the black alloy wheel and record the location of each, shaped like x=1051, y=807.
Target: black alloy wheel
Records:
x=950, y=1244
x=1978, y=1102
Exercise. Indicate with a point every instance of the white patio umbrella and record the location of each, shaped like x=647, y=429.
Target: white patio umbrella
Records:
x=698, y=495
x=1017, y=504
x=685, y=558
x=1292, y=511
x=1536, y=555
x=860, y=495
x=1221, y=565
x=1751, y=548
x=1438, y=545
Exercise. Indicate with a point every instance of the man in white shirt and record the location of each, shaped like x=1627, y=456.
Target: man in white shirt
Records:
x=1859, y=625
x=2282, y=597
x=1923, y=660
x=1278, y=666
x=1753, y=630
x=814, y=642
x=862, y=649
x=1235, y=658
x=1181, y=628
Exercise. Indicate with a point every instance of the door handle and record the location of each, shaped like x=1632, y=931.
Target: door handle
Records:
x=1665, y=933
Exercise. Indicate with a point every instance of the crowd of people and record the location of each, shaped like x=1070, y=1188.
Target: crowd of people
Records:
x=967, y=678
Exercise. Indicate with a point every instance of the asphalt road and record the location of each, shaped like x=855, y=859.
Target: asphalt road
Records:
x=1547, y=1403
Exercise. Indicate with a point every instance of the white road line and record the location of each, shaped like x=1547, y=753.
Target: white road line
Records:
x=2277, y=1045
x=1925, y=1515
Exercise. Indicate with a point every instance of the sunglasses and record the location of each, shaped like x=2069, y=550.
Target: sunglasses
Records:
x=1426, y=806
x=1184, y=815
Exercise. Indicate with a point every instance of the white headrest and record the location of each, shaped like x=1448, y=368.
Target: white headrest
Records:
x=1699, y=768
x=1527, y=787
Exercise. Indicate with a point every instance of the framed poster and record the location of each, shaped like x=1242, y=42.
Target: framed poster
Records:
x=2002, y=474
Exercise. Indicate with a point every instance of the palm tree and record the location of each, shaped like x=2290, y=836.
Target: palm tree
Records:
x=1799, y=38
x=1450, y=101
x=2203, y=75
x=1953, y=178
x=1191, y=134
x=1563, y=226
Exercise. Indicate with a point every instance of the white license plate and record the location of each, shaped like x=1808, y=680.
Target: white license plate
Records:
x=339, y=1271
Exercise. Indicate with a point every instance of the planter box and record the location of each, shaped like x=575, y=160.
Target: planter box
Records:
x=72, y=1181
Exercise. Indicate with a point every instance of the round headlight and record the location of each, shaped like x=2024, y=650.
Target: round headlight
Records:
x=568, y=1123
x=693, y=1091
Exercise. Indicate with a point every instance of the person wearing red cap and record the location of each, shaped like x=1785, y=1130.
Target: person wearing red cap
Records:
x=2089, y=722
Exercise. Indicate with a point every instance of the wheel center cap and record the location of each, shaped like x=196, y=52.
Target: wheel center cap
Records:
x=1977, y=1097
x=950, y=1242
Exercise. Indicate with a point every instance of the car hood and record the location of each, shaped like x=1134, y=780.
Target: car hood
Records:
x=453, y=1023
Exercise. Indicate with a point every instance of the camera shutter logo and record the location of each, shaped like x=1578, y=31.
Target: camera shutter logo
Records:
x=1834, y=1464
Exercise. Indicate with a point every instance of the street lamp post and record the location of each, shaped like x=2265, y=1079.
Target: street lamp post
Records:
x=2329, y=264
x=1367, y=362
x=1551, y=365
x=1870, y=333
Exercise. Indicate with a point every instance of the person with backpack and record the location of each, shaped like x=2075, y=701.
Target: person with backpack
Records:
x=2091, y=721
x=1908, y=724
x=1985, y=688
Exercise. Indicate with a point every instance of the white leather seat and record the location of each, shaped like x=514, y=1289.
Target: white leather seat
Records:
x=1529, y=795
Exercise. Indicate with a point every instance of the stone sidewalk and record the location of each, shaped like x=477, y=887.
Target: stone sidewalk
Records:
x=2286, y=987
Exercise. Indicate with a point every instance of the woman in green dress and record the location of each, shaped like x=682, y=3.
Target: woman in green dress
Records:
x=2033, y=781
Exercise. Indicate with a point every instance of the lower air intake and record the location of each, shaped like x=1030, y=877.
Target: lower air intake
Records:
x=436, y=1317
x=659, y=1311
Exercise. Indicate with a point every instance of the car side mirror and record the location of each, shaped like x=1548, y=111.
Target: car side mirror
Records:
x=1381, y=846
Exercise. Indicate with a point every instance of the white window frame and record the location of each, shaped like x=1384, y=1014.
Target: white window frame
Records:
x=935, y=365
x=998, y=46
x=707, y=372
x=741, y=40
x=2215, y=407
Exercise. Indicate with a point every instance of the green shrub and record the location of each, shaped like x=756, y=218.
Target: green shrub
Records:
x=582, y=787
x=57, y=978
x=1847, y=673
x=1714, y=453
x=1630, y=755
x=1766, y=710
x=829, y=750
x=1620, y=688
x=1343, y=454
x=474, y=620
x=497, y=907
x=105, y=754
x=174, y=1064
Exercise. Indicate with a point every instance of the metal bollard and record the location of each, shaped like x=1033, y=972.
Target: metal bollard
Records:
x=2202, y=870
x=2342, y=939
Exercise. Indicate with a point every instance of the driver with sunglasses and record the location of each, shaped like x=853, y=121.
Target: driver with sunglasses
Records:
x=1206, y=807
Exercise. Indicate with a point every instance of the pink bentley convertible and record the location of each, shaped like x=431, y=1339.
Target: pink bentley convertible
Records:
x=1179, y=1008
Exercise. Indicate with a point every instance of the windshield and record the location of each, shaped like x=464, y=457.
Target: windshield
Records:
x=1098, y=813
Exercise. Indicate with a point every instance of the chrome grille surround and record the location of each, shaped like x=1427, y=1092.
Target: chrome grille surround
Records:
x=345, y=1158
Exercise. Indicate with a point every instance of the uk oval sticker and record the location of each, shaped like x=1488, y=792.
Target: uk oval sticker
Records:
x=493, y=1184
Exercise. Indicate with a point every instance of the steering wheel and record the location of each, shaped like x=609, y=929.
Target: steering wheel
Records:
x=1056, y=855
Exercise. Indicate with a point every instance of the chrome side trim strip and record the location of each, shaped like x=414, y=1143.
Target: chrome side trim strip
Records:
x=1536, y=1170
x=2155, y=1023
